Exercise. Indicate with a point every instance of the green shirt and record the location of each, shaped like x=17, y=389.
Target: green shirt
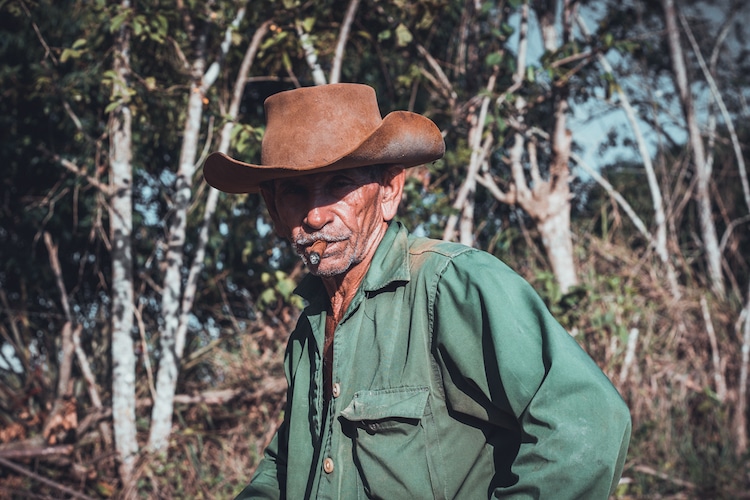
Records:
x=451, y=380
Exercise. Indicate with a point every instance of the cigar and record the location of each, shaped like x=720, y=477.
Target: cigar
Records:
x=316, y=250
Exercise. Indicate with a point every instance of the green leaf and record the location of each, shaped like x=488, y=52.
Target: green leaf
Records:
x=69, y=54
x=267, y=296
x=494, y=59
x=111, y=106
x=308, y=24
x=403, y=35
x=118, y=21
x=286, y=287
x=265, y=278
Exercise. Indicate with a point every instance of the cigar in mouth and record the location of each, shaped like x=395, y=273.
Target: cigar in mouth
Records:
x=316, y=251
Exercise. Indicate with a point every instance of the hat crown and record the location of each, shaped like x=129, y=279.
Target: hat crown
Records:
x=318, y=125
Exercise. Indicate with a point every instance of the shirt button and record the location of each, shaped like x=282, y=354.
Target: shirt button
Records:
x=328, y=465
x=336, y=390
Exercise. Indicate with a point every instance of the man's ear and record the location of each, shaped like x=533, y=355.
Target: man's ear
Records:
x=392, y=187
x=268, y=191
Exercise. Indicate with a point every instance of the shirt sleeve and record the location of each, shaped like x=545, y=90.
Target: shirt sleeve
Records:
x=269, y=476
x=508, y=362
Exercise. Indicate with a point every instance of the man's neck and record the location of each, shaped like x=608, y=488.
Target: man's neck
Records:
x=342, y=288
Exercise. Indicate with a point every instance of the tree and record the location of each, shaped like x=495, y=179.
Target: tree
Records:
x=702, y=167
x=121, y=228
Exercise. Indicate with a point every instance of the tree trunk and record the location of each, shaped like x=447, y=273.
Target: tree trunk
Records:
x=702, y=167
x=176, y=300
x=552, y=211
x=170, y=346
x=121, y=224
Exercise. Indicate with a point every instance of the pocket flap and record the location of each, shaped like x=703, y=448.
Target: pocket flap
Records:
x=404, y=402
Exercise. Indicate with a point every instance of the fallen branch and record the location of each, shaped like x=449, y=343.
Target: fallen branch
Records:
x=653, y=472
x=33, y=448
x=36, y=477
x=223, y=396
x=740, y=423
x=721, y=384
x=93, y=390
x=629, y=355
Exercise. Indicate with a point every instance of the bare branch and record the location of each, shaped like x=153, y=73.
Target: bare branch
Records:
x=346, y=25
x=36, y=477
x=464, y=200
x=629, y=355
x=55, y=265
x=637, y=222
x=722, y=107
x=657, y=201
x=719, y=380
x=695, y=140
x=740, y=423
x=311, y=55
x=445, y=82
x=523, y=43
x=80, y=173
x=489, y=183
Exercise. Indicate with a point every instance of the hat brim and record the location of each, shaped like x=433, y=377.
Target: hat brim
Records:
x=402, y=138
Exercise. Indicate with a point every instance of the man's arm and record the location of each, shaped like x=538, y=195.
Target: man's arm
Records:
x=496, y=337
x=270, y=476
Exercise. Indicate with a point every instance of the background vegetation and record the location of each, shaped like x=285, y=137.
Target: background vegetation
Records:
x=597, y=147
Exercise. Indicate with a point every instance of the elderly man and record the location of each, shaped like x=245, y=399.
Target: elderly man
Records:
x=419, y=368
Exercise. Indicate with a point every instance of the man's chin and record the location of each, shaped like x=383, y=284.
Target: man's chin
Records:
x=323, y=271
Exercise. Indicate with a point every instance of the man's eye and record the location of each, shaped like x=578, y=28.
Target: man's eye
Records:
x=292, y=190
x=341, y=182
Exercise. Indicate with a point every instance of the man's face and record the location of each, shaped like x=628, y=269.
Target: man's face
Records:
x=348, y=209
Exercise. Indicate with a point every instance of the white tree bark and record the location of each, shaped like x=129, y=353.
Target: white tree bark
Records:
x=740, y=424
x=728, y=121
x=346, y=26
x=660, y=242
x=549, y=204
x=311, y=55
x=546, y=201
x=464, y=203
x=702, y=167
x=121, y=224
x=175, y=304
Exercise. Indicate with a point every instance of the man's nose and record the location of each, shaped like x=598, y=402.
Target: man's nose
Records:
x=318, y=213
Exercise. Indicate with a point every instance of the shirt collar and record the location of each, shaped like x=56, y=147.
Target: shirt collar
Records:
x=390, y=264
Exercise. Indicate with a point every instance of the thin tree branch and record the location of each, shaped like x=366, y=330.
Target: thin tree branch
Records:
x=660, y=242
x=637, y=222
x=479, y=152
x=719, y=380
x=36, y=477
x=311, y=55
x=445, y=82
x=722, y=107
x=88, y=376
x=740, y=423
x=338, y=56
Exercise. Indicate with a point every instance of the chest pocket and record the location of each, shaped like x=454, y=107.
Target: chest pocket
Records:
x=394, y=448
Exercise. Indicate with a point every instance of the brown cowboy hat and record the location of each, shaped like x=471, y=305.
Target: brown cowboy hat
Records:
x=325, y=128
